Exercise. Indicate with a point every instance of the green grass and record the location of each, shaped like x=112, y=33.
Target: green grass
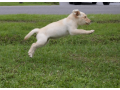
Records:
x=27, y=3
x=72, y=61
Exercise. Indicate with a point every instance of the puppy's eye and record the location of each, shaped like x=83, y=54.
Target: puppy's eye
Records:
x=85, y=16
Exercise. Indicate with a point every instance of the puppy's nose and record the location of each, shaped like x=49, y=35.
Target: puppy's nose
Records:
x=90, y=21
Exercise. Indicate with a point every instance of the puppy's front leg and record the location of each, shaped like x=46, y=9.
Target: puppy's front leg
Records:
x=80, y=31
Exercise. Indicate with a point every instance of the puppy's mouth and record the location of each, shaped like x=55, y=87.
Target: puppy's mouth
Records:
x=87, y=23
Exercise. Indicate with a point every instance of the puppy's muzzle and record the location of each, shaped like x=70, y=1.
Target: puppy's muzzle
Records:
x=87, y=23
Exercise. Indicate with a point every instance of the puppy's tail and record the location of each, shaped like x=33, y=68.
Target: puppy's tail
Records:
x=31, y=33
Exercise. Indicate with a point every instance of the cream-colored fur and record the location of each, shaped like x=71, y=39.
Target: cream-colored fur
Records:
x=66, y=26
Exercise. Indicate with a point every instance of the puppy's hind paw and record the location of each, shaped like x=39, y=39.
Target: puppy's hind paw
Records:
x=30, y=55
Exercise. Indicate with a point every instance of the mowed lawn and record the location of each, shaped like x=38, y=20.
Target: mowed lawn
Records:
x=82, y=61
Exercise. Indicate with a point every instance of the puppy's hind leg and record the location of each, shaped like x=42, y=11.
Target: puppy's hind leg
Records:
x=41, y=41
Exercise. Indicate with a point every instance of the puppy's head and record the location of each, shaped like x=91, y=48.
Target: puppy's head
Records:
x=81, y=18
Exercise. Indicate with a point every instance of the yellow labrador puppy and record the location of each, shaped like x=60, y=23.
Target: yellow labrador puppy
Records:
x=66, y=26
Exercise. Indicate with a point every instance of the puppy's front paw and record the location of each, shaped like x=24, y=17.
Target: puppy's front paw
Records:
x=92, y=31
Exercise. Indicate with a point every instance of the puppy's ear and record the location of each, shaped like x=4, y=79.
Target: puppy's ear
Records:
x=76, y=12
